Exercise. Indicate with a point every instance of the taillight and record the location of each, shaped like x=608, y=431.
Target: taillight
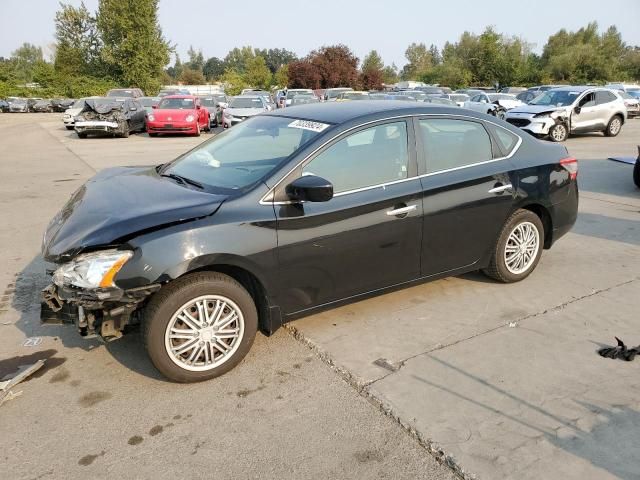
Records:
x=570, y=164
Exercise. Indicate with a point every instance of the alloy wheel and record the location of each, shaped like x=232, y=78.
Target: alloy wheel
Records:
x=615, y=126
x=204, y=333
x=559, y=133
x=521, y=248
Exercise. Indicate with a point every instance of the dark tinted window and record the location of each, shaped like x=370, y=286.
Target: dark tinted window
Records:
x=589, y=100
x=604, y=97
x=369, y=157
x=506, y=140
x=452, y=143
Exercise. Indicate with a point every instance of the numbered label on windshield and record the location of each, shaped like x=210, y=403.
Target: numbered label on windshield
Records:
x=308, y=125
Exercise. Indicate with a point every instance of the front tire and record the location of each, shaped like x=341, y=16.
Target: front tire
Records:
x=199, y=327
x=614, y=126
x=69, y=127
x=558, y=133
x=518, y=249
x=125, y=130
x=197, y=134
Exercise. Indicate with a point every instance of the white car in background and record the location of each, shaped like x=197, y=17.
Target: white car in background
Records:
x=69, y=115
x=495, y=104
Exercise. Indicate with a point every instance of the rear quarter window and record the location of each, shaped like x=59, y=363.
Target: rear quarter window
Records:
x=505, y=139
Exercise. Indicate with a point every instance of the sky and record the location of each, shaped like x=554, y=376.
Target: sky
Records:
x=215, y=27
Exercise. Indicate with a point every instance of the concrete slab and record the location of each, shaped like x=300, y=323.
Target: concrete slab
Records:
x=534, y=401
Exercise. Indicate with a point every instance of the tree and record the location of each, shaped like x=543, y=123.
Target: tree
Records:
x=303, y=74
x=233, y=81
x=257, y=74
x=237, y=58
x=419, y=61
x=335, y=65
x=192, y=77
x=372, y=61
x=213, y=68
x=78, y=41
x=390, y=74
x=372, y=76
x=276, y=57
x=134, y=49
x=281, y=77
x=24, y=60
x=176, y=71
x=196, y=59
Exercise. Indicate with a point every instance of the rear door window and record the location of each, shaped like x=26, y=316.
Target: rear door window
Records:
x=452, y=143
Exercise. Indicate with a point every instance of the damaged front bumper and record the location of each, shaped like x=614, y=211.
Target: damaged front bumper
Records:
x=96, y=126
x=104, y=311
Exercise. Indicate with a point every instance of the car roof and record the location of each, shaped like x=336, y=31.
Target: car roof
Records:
x=574, y=88
x=341, y=112
x=180, y=96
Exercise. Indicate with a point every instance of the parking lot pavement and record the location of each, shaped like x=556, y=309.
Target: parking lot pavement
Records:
x=503, y=378
x=102, y=411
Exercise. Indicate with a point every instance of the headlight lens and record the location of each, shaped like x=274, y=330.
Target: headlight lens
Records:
x=151, y=118
x=190, y=118
x=92, y=270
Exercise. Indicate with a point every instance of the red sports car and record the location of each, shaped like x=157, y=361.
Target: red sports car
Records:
x=178, y=114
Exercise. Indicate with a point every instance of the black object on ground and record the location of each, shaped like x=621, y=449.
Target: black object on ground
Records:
x=621, y=351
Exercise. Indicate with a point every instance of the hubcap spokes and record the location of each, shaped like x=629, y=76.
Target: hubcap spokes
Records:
x=522, y=248
x=615, y=126
x=204, y=333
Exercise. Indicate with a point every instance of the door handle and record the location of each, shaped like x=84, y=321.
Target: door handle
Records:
x=501, y=188
x=401, y=211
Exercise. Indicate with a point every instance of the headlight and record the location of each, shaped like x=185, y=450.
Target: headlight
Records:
x=92, y=270
x=190, y=118
x=151, y=118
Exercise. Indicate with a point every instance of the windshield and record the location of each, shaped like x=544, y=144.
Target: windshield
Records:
x=176, y=104
x=336, y=93
x=246, y=153
x=20, y=101
x=212, y=101
x=556, y=98
x=120, y=93
x=355, y=95
x=246, y=102
x=634, y=93
x=148, y=101
x=501, y=96
x=293, y=93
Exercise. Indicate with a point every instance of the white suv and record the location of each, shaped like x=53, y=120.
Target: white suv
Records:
x=560, y=112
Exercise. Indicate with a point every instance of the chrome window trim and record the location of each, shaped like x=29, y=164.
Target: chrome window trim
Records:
x=265, y=198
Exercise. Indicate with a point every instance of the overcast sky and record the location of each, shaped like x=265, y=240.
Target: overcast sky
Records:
x=217, y=26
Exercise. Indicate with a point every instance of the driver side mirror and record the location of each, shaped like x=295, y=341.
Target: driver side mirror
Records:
x=154, y=106
x=577, y=110
x=310, y=188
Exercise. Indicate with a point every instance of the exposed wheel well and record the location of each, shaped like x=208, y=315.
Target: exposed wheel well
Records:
x=251, y=283
x=618, y=115
x=545, y=218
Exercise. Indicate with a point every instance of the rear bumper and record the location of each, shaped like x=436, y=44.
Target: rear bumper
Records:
x=564, y=215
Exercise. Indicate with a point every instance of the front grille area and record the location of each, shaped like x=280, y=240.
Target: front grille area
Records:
x=519, y=122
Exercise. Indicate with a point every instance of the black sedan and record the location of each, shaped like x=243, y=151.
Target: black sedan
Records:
x=298, y=210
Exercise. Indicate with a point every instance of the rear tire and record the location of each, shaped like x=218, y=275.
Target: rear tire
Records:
x=69, y=127
x=82, y=135
x=162, y=322
x=518, y=248
x=614, y=126
x=558, y=133
x=153, y=134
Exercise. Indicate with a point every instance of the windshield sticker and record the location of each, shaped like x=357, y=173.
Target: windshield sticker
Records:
x=309, y=125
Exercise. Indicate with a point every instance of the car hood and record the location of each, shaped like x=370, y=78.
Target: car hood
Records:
x=243, y=112
x=535, y=109
x=120, y=203
x=177, y=114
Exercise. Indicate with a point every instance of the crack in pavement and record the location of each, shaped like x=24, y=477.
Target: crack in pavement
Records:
x=555, y=308
x=597, y=199
x=64, y=145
